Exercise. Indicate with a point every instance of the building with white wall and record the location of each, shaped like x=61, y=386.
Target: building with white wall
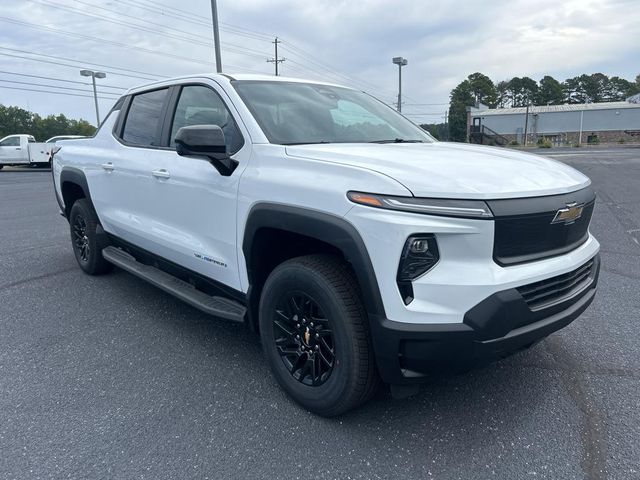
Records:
x=560, y=124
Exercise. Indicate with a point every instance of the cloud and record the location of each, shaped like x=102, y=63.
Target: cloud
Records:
x=343, y=41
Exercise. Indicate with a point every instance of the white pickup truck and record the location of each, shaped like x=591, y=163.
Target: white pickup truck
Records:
x=17, y=150
x=358, y=246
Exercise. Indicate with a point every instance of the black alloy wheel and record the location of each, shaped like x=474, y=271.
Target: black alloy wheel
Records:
x=86, y=239
x=80, y=239
x=304, y=338
x=315, y=334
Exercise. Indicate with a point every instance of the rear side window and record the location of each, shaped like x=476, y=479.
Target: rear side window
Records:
x=143, y=120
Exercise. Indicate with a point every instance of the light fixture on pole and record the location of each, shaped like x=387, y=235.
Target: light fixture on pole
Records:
x=94, y=75
x=401, y=62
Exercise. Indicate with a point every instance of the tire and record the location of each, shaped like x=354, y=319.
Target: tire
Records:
x=329, y=368
x=86, y=243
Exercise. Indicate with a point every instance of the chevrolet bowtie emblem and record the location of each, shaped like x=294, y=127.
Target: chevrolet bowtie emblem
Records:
x=569, y=214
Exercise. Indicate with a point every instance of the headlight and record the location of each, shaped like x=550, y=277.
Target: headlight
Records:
x=429, y=206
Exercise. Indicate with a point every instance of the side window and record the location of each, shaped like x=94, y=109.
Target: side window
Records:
x=144, y=117
x=199, y=105
x=11, y=142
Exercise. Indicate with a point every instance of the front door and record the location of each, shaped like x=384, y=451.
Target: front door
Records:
x=197, y=205
x=11, y=151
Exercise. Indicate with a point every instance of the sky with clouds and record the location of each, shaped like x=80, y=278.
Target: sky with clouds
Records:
x=348, y=42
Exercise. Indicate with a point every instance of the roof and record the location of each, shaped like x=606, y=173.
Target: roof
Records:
x=574, y=107
x=227, y=77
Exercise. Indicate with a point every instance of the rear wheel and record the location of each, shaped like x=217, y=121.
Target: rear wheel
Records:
x=87, y=243
x=315, y=334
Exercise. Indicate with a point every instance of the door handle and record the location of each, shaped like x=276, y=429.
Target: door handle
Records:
x=108, y=166
x=162, y=173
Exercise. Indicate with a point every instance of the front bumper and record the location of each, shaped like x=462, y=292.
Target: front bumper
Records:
x=496, y=327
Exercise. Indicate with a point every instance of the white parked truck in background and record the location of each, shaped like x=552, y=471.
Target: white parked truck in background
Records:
x=20, y=150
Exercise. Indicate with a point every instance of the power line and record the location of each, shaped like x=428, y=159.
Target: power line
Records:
x=59, y=80
x=197, y=20
x=101, y=40
x=233, y=48
x=194, y=18
x=54, y=93
x=16, y=82
x=148, y=77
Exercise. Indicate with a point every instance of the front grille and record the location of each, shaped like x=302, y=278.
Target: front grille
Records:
x=524, y=228
x=546, y=293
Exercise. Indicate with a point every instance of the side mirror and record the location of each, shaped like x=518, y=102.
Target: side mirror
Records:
x=205, y=141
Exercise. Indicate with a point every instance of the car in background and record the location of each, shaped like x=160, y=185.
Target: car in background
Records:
x=23, y=150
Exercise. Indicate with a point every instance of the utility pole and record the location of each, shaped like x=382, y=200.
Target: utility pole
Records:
x=446, y=125
x=216, y=35
x=275, y=60
x=401, y=62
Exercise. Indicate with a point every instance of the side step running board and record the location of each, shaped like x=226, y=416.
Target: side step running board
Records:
x=217, y=306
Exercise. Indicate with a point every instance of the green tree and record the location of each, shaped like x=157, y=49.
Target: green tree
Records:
x=483, y=89
x=523, y=90
x=461, y=98
x=504, y=94
x=550, y=92
x=587, y=88
x=437, y=130
x=619, y=89
x=14, y=120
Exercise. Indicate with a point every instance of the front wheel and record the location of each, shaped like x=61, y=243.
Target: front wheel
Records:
x=86, y=241
x=315, y=334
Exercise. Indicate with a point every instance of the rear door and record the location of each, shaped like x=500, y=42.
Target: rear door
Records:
x=122, y=184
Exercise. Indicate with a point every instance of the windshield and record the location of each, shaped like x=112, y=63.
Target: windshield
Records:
x=291, y=113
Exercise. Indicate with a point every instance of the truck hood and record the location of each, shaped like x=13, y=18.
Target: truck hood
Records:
x=453, y=170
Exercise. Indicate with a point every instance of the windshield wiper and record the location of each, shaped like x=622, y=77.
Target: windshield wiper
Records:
x=397, y=140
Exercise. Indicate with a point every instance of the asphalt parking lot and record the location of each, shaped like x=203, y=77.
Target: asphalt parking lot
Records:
x=108, y=377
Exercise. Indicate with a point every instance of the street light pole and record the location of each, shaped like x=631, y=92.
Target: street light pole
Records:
x=94, y=75
x=216, y=35
x=401, y=62
x=95, y=99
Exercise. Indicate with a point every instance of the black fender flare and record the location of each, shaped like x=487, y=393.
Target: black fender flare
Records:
x=331, y=229
x=77, y=177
